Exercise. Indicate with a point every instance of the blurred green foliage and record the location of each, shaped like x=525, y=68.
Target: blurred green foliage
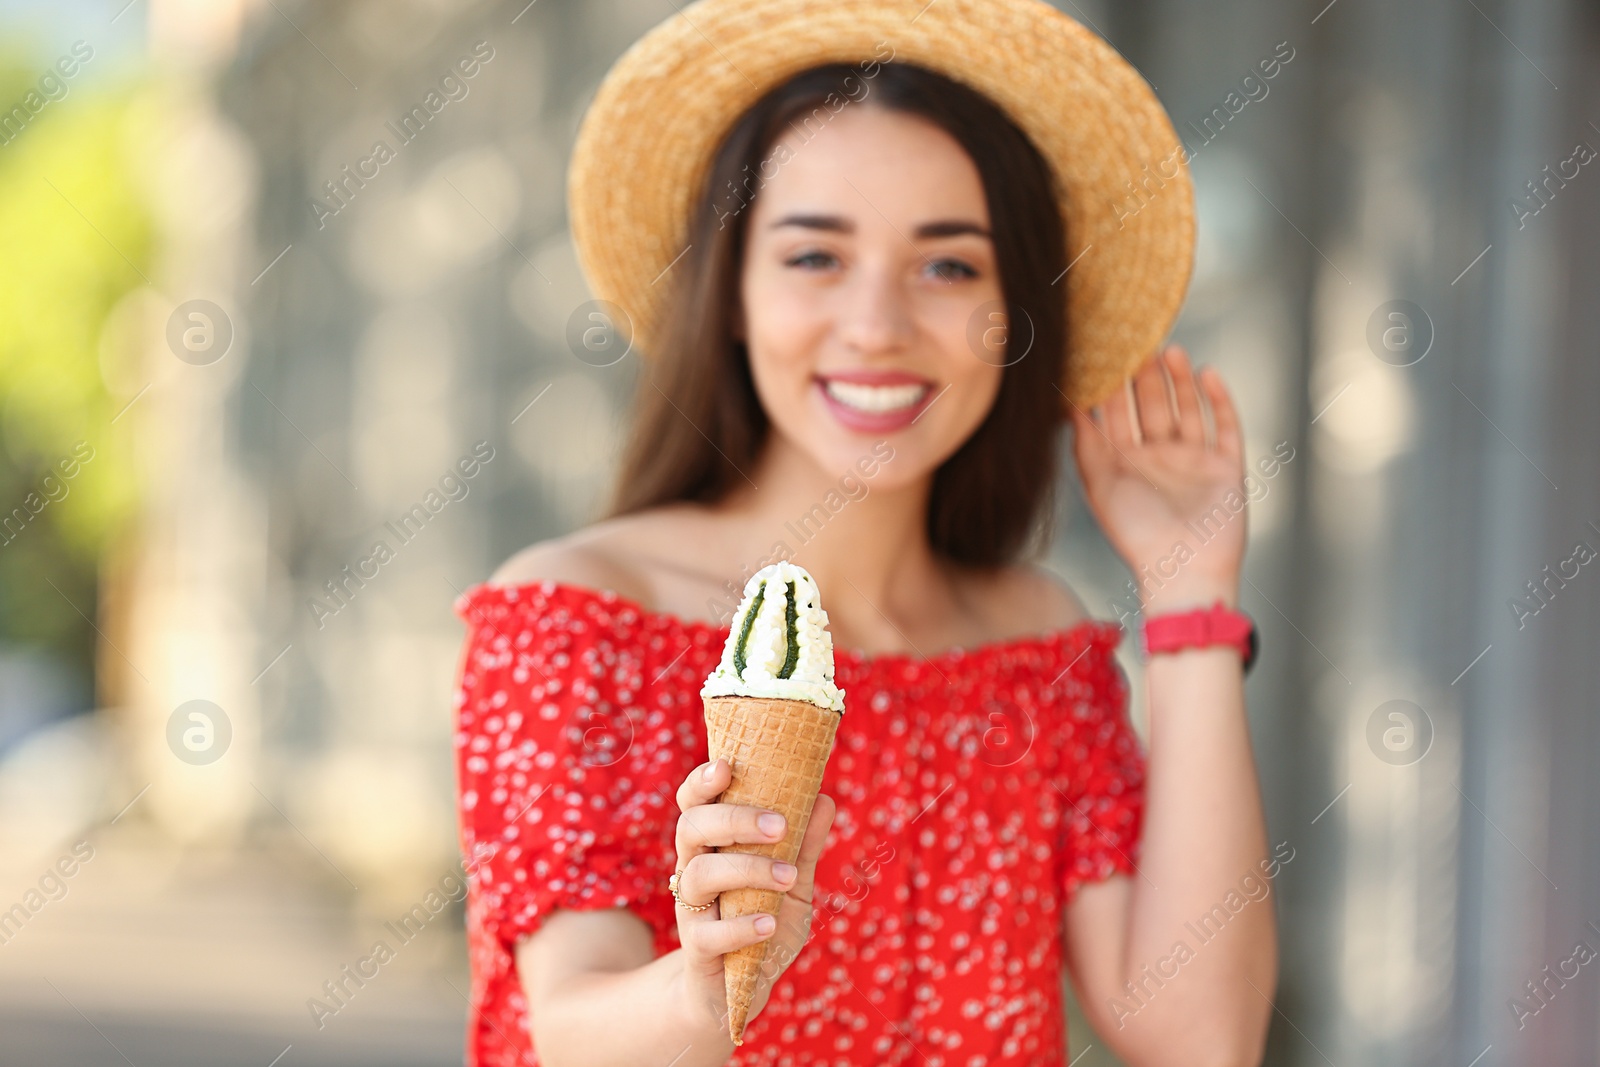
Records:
x=75, y=237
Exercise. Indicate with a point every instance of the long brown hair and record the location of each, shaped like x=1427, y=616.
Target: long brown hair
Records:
x=698, y=422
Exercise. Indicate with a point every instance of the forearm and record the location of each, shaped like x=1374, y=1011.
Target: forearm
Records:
x=624, y=1018
x=1203, y=847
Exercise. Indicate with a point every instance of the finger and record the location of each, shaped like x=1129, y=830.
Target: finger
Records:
x=709, y=826
x=1191, y=424
x=811, y=846
x=1119, y=421
x=711, y=874
x=1230, y=438
x=710, y=940
x=704, y=784
x=1156, y=421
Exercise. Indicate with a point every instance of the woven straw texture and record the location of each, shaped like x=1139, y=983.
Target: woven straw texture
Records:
x=777, y=750
x=645, y=144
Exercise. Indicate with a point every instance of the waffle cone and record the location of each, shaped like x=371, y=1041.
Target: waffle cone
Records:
x=777, y=750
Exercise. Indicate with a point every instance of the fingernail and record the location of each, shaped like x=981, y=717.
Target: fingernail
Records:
x=784, y=871
x=711, y=771
x=765, y=924
x=771, y=824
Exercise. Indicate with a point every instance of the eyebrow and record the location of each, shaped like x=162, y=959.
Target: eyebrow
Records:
x=840, y=224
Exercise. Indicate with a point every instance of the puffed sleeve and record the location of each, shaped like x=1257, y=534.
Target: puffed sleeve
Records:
x=557, y=805
x=1101, y=776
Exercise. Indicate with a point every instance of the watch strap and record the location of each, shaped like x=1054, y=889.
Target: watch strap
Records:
x=1217, y=624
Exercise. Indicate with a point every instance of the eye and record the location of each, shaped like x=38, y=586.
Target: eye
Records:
x=812, y=260
x=951, y=270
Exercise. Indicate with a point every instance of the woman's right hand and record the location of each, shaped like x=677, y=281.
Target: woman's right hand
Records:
x=704, y=826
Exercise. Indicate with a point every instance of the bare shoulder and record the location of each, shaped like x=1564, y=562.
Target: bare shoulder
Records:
x=1025, y=598
x=566, y=559
x=614, y=554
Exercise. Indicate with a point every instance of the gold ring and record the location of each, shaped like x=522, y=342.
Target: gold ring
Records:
x=672, y=884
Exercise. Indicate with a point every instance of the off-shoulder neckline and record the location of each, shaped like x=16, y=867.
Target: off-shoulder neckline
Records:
x=512, y=591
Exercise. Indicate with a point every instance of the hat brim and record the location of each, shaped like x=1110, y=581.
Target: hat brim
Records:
x=647, y=139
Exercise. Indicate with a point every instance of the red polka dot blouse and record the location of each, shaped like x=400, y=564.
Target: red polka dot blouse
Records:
x=976, y=790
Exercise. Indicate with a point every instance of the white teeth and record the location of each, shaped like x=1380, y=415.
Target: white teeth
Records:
x=875, y=398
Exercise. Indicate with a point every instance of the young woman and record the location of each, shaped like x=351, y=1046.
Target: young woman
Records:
x=828, y=385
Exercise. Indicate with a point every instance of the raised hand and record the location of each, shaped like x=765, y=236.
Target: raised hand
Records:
x=1169, y=497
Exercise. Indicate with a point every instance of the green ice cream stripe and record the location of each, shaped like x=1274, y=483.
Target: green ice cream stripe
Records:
x=791, y=636
x=744, y=630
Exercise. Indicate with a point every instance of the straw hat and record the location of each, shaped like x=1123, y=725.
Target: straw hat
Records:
x=645, y=146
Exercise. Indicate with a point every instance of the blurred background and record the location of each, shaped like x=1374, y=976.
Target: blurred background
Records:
x=229, y=367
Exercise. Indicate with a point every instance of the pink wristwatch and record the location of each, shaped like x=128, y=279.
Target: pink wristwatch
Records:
x=1216, y=625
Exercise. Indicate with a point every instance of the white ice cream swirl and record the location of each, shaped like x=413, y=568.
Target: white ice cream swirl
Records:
x=779, y=645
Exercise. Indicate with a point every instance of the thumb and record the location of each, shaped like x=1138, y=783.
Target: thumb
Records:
x=795, y=910
x=1090, y=445
x=811, y=845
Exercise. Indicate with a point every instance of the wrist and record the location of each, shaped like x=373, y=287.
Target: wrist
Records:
x=1199, y=628
x=1188, y=592
x=699, y=1024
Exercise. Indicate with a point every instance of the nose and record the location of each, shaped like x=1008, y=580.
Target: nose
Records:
x=876, y=316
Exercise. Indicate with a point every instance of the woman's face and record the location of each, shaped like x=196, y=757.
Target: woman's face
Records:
x=868, y=264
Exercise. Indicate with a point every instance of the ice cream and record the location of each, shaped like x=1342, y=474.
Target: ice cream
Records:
x=771, y=710
x=779, y=645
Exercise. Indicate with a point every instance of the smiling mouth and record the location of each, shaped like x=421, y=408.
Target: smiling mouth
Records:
x=876, y=399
